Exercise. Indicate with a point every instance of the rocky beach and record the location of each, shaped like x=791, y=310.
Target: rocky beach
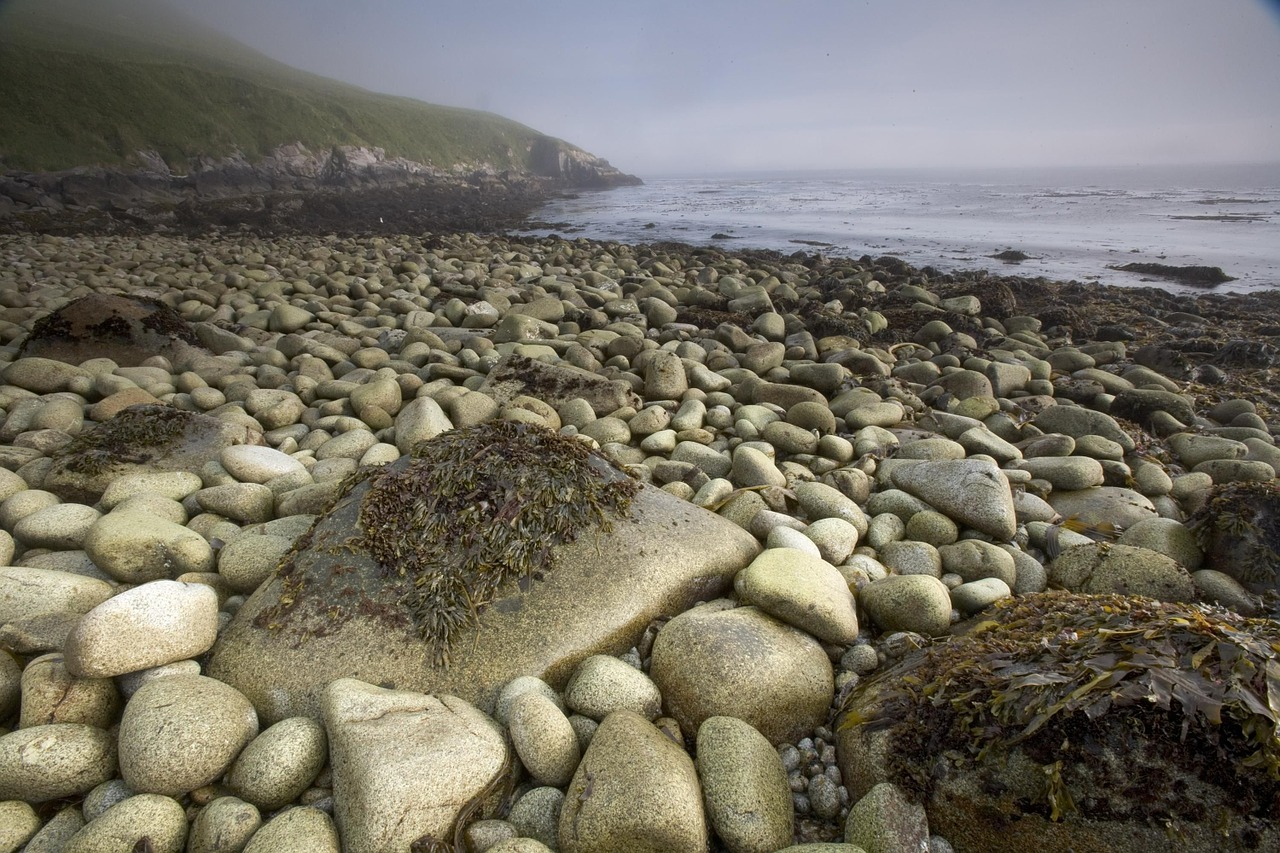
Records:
x=319, y=534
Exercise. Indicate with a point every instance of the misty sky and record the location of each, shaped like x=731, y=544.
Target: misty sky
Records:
x=662, y=87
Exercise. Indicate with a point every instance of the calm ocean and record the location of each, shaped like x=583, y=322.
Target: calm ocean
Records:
x=1075, y=223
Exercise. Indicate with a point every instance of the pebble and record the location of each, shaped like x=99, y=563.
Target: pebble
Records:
x=602, y=684
x=744, y=783
x=226, y=823
x=158, y=819
x=280, y=763
x=543, y=738
x=53, y=761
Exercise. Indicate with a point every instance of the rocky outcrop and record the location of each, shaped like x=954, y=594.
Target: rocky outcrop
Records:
x=290, y=169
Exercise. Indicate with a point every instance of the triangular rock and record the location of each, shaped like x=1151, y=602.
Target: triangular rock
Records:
x=972, y=492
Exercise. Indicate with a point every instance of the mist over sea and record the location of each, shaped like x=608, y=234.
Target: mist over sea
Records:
x=1074, y=223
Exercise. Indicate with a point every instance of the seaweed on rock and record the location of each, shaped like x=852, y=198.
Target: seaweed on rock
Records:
x=478, y=507
x=132, y=436
x=1119, y=702
x=1238, y=527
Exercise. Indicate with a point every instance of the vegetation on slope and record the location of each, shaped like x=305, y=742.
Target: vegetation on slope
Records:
x=91, y=82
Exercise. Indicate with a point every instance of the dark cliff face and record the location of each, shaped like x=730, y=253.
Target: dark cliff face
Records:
x=574, y=167
x=291, y=169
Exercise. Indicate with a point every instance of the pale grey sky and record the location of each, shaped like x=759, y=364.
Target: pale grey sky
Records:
x=711, y=85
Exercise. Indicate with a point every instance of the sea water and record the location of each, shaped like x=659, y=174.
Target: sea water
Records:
x=1075, y=224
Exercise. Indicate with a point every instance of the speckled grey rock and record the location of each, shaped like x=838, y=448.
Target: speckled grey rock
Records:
x=743, y=663
x=152, y=624
x=52, y=695
x=808, y=594
x=159, y=819
x=26, y=593
x=404, y=764
x=18, y=822
x=603, y=684
x=973, y=596
x=971, y=492
x=1103, y=505
x=50, y=762
x=223, y=826
x=536, y=815
x=1167, y=536
x=298, y=830
x=181, y=732
x=918, y=603
x=136, y=547
x=512, y=690
x=280, y=763
x=54, y=835
x=636, y=791
x=973, y=559
x=1104, y=568
x=885, y=820
x=543, y=739
x=744, y=787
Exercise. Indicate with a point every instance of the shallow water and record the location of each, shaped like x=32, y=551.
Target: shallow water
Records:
x=1075, y=223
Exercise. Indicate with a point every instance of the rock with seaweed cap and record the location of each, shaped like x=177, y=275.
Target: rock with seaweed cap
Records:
x=515, y=375
x=1238, y=527
x=125, y=329
x=1085, y=723
x=141, y=439
x=492, y=552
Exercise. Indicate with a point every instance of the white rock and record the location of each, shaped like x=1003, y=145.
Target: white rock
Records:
x=152, y=624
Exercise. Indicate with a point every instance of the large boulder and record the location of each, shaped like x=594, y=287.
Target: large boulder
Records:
x=1085, y=723
x=494, y=551
x=124, y=329
x=141, y=439
x=1238, y=528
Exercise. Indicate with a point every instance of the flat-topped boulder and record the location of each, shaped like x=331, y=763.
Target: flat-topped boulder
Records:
x=492, y=552
x=147, y=438
x=127, y=330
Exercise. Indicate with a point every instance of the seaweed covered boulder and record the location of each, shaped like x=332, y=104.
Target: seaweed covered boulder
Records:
x=1065, y=722
x=127, y=330
x=1238, y=527
x=142, y=438
x=488, y=553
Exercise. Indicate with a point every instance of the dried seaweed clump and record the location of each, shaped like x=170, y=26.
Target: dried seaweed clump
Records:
x=131, y=437
x=1119, y=699
x=480, y=506
x=1238, y=528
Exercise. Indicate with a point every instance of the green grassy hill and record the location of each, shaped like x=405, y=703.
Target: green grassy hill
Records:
x=90, y=82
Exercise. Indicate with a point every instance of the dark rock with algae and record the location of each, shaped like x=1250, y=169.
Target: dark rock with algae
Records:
x=1064, y=722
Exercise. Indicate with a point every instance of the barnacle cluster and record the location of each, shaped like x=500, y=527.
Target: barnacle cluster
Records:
x=1119, y=700
x=477, y=507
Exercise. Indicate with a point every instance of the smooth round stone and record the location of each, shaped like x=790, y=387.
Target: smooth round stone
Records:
x=246, y=503
x=973, y=559
x=971, y=492
x=1168, y=537
x=602, y=684
x=182, y=732
x=130, y=682
x=973, y=596
x=1100, y=568
x=819, y=500
x=225, y=824
x=59, y=528
x=1064, y=472
x=885, y=818
x=789, y=438
x=297, y=830
x=744, y=785
x=1030, y=574
x=10, y=685
x=381, y=453
x=1222, y=589
x=931, y=449
x=54, y=761
x=917, y=603
x=158, y=819
x=712, y=462
x=931, y=527
x=650, y=420
x=788, y=537
x=519, y=845
x=18, y=822
x=1192, y=449
x=50, y=694
x=634, y=790
x=26, y=593
x=1221, y=470
x=517, y=687
x=483, y=835
x=536, y=815
x=835, y=538
x=252, y=463
x=885, y=528
x=752, y=467
x=1077, y=422
x=608, y=429
x=884, y=414
x=544, y=739
x=743, y=663
x=149, y=625
x=280, y=763
x=419, y=420
x=175, y=485
x=250, y=558
x=1102, y=505
x=905, y=557
x=156, y=506
x=808, y=594
x=384, y=394
x=42, y=375
x=977, y=440
x=348, y=445
x=136, y=547
x=1097, y=447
